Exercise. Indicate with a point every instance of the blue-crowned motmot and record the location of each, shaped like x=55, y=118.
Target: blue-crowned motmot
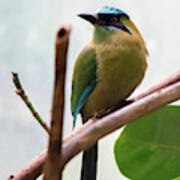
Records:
x=107, y=71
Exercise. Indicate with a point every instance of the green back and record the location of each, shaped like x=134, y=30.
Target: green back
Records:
x=84, y=79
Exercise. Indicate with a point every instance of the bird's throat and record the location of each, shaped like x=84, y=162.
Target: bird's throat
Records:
x=101, y=34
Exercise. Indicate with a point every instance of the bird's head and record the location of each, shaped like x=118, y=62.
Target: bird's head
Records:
x=110, y=18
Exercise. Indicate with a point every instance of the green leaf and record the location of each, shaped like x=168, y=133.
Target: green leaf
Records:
x=149, y=149
x=178, y=178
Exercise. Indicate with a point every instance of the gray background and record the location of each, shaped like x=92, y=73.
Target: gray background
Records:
x=27, y=34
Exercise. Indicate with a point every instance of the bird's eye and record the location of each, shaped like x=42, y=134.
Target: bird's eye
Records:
x=114, y=19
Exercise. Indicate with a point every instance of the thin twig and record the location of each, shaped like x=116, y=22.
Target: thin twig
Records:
x=94, y=130
x=54, y=159
x=20, y=91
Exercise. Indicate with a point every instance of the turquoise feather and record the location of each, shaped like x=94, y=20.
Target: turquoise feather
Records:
x=87, y=91
x=84, y=80
x=109, y=10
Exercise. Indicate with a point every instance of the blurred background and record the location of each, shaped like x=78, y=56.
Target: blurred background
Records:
x=27, y=35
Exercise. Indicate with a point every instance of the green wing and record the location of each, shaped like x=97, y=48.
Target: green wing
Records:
x=84, y=79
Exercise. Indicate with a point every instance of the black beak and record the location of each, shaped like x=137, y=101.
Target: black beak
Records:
x=92, y=18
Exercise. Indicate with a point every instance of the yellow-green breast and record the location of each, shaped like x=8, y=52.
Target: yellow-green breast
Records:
x=121, y=65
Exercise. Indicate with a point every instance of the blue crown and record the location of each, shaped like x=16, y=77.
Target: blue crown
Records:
x=109, y=10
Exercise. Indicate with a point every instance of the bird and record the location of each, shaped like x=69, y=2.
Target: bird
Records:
x=106, y=72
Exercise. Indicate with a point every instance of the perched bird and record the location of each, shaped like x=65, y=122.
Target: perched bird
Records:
x=107, y=71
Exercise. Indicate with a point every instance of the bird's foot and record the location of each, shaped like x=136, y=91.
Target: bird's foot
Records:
x=100, y=114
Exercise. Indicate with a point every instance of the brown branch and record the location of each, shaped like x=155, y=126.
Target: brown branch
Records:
x=167, y=82
x=54, y=159
x=163, y=93
x=20, y=91
x=94, y=130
